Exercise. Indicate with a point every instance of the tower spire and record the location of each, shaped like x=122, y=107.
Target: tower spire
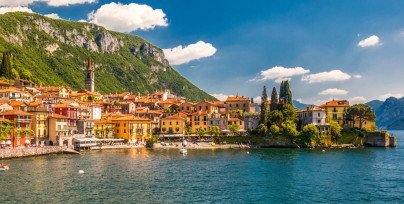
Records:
x=89, y=76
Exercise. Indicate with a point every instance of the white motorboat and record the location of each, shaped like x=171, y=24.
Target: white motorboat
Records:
x=183, y=151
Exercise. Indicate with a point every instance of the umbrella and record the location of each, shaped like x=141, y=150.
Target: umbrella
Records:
x=27, y=142
x=8, y=142
x=3, y=142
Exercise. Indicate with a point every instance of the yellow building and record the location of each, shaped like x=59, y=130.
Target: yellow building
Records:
x=39, y=123
x=104, y=128
x=174, y=124
x=238, y=103
x=207, y=106
x=335, y=110
x=367, y=125
x=132, y=128
x=199, y=120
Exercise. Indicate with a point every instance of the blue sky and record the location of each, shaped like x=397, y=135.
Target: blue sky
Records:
x=315, y=44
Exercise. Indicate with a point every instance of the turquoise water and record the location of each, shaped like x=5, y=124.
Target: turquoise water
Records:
x=218, y=176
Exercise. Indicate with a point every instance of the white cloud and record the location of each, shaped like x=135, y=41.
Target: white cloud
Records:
x=220, y=96
x=257, y=99
x=4, y=10
x=370, y=41
x=53, y=15
x=280, y=73
x=357, y=76
x=15, y=3
x=181, y=55
x=128, y=17
x=333, y=92
x=68, y=2
x=357, y=100
x=388, y=95
x=334, y=75
x=299, y=100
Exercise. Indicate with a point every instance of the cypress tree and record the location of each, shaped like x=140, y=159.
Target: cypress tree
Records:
x=282, y=91
x=274, y=99
x=264, y=106
x=288, y=93
x=5, y=69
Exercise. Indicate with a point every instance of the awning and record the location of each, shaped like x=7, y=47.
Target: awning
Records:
x=242, y=130
x=225, y=130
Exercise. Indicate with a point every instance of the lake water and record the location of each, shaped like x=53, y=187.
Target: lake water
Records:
x=219, y=176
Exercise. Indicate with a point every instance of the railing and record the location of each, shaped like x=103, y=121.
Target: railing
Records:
x=20, y=120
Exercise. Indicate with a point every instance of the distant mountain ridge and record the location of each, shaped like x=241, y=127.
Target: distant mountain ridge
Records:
x=389, y=114
x=54, y=52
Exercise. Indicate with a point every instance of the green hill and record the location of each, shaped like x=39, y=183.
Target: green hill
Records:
x=54, y=52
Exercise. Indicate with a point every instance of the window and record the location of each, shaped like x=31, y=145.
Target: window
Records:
x=124, y=130
x=318, y=121
x=164, y=123
x=335, y=109
x=171, y=123
x=334, y=116
x=318, y=114
x=163, y=129
x=177, y=122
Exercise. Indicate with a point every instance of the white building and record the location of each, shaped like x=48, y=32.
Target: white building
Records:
x=314, y=115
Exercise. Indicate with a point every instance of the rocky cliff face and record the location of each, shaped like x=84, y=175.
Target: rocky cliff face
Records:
x=389, y=114
x=55, y=51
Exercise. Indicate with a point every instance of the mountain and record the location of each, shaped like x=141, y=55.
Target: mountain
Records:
x=299, y=105
x=375, y=104
x=54, y=52
x=389, y=114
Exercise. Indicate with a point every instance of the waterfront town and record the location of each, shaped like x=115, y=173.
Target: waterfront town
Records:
x=32, y=115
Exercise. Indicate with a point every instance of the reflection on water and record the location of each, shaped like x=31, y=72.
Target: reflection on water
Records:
x=230, y=176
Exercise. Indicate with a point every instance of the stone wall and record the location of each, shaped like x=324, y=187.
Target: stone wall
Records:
x=31, y=151
x=379, y=139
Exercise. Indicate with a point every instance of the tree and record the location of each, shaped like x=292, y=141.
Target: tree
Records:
x=200, y=132
x=288, y=99
x=274, y=129
x=282, y=92
x=188, y=130
x=234, y=128
x=5, y=130
x=310, y=135
x=274, y=99
x=361, y=112
x=335, y=131
x=5, y=69
x=275, y=117
x=264, y=106
x=289, y=130
x=289, y=112
x=262, y=129
x=214, y=131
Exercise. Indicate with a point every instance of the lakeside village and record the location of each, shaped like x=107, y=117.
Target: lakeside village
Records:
x=37, y=116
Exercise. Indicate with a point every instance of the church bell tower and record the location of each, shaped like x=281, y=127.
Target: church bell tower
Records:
x=89, y=78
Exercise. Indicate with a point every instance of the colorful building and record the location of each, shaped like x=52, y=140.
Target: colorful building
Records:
x=238, y=103
x=335, y=110
x=58, y=130
x=22, y=126
x=174, y=124
x=133, y=129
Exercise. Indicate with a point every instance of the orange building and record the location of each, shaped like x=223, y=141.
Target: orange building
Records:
x=238, y=103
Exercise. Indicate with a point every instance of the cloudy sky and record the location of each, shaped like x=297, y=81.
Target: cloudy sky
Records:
x=328, y=49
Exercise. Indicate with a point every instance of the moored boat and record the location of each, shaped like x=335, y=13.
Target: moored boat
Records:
x=183, y=151
x=4, y=167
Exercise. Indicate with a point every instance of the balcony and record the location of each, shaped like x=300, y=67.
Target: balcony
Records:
x=21, y=120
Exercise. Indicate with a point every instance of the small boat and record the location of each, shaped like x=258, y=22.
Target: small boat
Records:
x=184, y=151
x=4, y=167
